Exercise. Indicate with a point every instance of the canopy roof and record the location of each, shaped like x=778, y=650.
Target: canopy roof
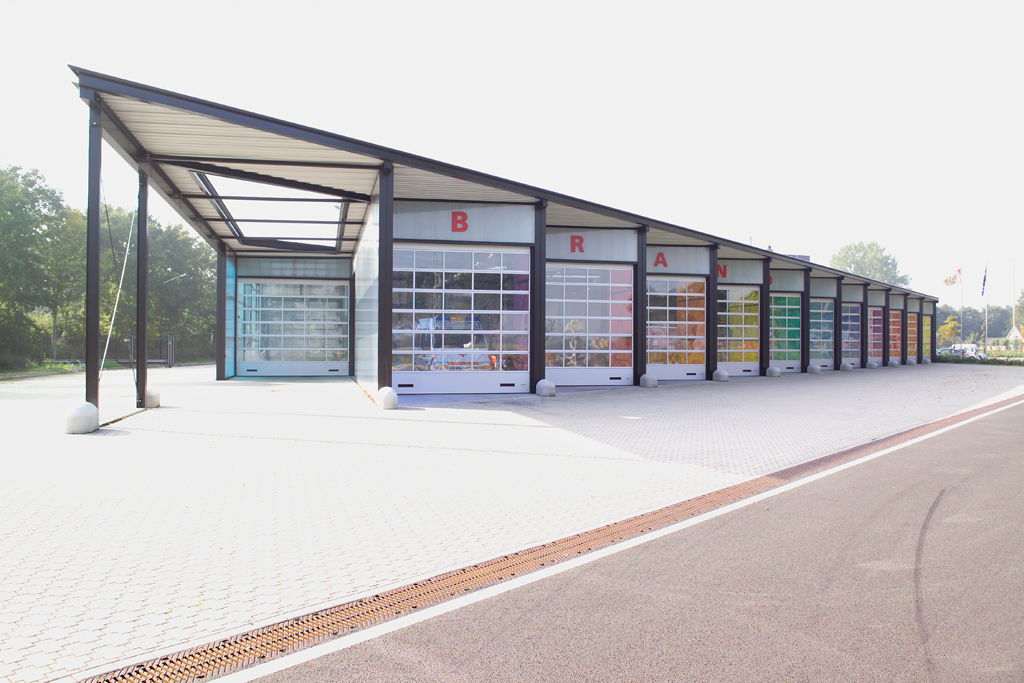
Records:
x=255, y=184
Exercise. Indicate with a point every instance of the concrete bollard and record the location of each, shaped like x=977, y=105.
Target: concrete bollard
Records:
x=893, y=363
x=720, y=376
x=772, y=371
x=814, y=369
x=545, y=387
x=387, y=398
x=152, y=398
x=872, y=365
x=911, y=361
x=648, y=381
x=846, y=367
x=926, y=361
x=83, y=419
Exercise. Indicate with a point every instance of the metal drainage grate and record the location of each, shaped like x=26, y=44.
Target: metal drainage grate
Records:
x=261, y=645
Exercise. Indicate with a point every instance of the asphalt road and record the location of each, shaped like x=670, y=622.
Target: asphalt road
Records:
x=909, y=567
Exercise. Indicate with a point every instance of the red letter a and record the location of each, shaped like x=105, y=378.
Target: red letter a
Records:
x=659, y=260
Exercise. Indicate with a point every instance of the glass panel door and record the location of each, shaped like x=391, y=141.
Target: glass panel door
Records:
x=738, y=319
x=676, y=330
x=785, y=332
x=926, y=336
x=851, y=334
x=822, y=333
x=875, y=334
x=895, y=335
x=588, y=324
x=912, y=336
x=288, y=327
x=460, y=320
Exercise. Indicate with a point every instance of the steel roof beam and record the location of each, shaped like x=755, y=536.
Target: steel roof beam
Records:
x=226, y=216
x=171, y=158
x=263, y=179
x=342, y=222
x=283, y=245
x=326, y=200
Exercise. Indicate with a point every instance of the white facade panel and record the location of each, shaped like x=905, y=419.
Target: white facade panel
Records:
x=825, y=287
x=929, y=308
x=876, y=297
x=914, y=305
x=462, y=222
x=853, y=294
x=741, y=272
x=678, y=260
x=897, y=302
x=787, y=281
x=571, y=244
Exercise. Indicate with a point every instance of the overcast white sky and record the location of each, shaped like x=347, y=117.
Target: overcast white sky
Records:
x=798, y=125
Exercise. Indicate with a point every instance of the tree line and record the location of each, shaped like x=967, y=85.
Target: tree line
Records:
x=42, y=272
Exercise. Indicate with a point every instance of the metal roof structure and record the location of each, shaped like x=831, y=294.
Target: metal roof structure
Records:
x=258, y=185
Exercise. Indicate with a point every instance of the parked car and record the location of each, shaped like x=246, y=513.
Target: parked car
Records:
x=967, y=351
x=944, y=351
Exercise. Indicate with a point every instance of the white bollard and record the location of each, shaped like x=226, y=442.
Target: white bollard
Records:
x=772, y=371
x=83, y=419
x=911, y=361
x=545, y=387
x=387, y=398
x=648, y=381
x=846, y=367
x=893, y=363
x=814, y=369
x=720, y=376
x=152, y=398
x=872, y=365
x=926, y=361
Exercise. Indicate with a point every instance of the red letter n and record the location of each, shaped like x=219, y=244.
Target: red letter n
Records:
x=722, y=271
x=659, y=260
x=460, y=221
x=575, y=242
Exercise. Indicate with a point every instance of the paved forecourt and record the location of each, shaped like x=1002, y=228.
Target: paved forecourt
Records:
x=241, y=503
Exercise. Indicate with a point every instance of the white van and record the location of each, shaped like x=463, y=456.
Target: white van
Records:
x=967, y=351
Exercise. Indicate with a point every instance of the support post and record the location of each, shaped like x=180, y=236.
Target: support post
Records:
x=142, y=293
x=220, y=331
x=805, y=324
x=640, y=307
x=538, y=275
x=386, y=261
x=837, y=325
x=92, y=258
x=904, y=329
x=711, y=316
x=885, y=331
x=764, y=345
x=865, y=328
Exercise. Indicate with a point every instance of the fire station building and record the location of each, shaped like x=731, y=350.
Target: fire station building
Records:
x=339, y=257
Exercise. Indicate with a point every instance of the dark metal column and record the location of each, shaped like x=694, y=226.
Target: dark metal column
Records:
x=935, y=333
x=386, y=259
x=220, y=331
x=764, y=352
x=92, y=258
x=640, y=307
x=904, y=329
x=885, y=331
x=837, y=325
x=538, y=298
x=865, y=328
x=805, y=324
x=142, y=293
x=711, y=316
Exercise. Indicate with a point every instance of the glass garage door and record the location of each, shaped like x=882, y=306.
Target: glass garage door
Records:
x=822, y=333
x=895, y=335
x=738, y=321
x=292, y=327
x=676, y=331
x=785, y=332
x=589, y=324
x=875, y=334
x=460, y=320
x=912, y=337
x=851, y=328
x=926, y=336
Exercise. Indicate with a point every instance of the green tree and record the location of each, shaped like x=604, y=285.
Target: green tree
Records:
x=949, y=333
x=28, y=207
x=869, y=260
x=62, y=252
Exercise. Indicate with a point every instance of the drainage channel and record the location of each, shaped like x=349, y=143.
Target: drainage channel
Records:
x=255, y=647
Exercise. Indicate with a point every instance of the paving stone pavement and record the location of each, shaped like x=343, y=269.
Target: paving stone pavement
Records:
x=242, y=503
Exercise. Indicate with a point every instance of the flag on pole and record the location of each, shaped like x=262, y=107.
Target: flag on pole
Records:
x=983, y=278
x=954, y=278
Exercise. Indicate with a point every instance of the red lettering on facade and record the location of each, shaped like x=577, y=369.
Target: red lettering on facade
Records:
x=659, y=260
x=722, y=271
x=575, y=242
x=460, y=221
x=771, y=280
